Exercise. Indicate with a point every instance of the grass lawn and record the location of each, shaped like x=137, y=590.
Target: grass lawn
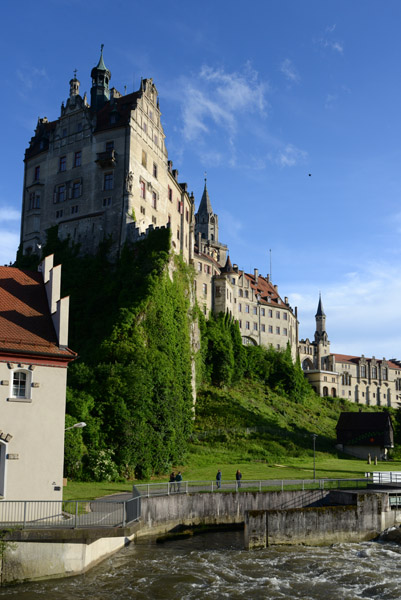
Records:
x=289, y=468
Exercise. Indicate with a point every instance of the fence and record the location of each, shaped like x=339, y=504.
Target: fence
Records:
x=186, y=487
x=69, y=514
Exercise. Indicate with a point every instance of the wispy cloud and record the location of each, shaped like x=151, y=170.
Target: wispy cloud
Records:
x=28, y=76
x=9, y=214
x=289, y=71
x=289, y=156
x=327, y=40
x=360, y=307
x=215, y=98
x=9, y=233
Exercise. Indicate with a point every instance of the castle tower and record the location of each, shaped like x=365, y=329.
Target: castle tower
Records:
x=100, y=93
x=321, y=338
x=74, y=86
x=206, y=222
x=320, y=318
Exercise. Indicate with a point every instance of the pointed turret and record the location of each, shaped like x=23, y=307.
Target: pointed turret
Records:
x=320, y=317
x=100, y=92
x=205, y=207
x=228, y=268
x=206, y=222
x=320, y=311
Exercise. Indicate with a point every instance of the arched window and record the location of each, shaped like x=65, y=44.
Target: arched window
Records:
x=21, y=384
x=333, y=392
x=325, y=391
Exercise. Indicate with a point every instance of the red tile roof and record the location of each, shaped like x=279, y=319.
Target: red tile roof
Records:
x=26, y=325
x=266, y=290
x=346, y=358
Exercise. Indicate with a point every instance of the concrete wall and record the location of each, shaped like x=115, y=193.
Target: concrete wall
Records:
x=163, y=513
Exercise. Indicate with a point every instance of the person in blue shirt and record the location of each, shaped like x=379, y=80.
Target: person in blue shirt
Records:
x=178, y=479
x=218, y=479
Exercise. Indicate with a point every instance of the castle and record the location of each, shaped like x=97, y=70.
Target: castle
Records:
x=101, y=171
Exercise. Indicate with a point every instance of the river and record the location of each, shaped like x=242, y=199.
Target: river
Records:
x=215, y=566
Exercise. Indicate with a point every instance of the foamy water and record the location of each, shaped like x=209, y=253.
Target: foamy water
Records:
x=215, y=566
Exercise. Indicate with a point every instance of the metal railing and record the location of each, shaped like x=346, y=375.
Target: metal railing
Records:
x=247, y=485
x=69, y=514
x=385, y=476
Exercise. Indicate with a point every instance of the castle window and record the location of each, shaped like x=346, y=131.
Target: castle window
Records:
x=270, y=313
x=77, y=158
x=178, y=233
x=76, y=189
x=240, y=307
x=384, y=373
x=246, y=293
x=59, y=214
x=110, y=146
x=240, y=324
x=36, y=175
x=277, y=314
x=263, y=328
x=255, y=310
x=186, y=215
x=285, y=316
x=154, y=200
x=34, y=200
x=144, y=158
x=285, y=332
x=200, y=267
x=145, y=127
x=143, y=210
x=74, y=209
x=155, y=170
x=60, y=193
x=64, y=132
x=255, y=326
x=63, y=163
x=169, y=219
x=204, y=289
x=246, y=308
x=156, y=139
x=240, y=293
x=106, y=201
x=363, y=370
x=154, y=220
x=170, y=194
x=247, y=325
x=108, y=182
x=143, y=190
x=278, y=330
x=270, y=328
x=263, y=312
x=374, y=373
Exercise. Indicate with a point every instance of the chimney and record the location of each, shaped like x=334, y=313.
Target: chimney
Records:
x=276, y=288
x=286, y=299
x=256, y=275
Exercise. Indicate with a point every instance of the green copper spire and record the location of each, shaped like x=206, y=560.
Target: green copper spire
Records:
x=100, y=93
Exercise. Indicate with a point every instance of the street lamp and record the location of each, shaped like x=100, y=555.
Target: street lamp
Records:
x=314, y=436
x=76, y=425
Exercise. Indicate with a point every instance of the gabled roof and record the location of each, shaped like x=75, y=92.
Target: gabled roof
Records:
x=365, y=429
x=266, y=290
x=363, y=421
x=26, y=324
x=122, y=108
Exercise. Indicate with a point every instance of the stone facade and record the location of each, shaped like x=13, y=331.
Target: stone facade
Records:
x=359, y=379
x=100, y=170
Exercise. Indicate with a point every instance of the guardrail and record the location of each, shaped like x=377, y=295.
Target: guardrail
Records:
x=246, y=485
x=69, y=514
x=385, y=476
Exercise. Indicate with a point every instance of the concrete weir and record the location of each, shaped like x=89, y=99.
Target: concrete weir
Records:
x=282, y=517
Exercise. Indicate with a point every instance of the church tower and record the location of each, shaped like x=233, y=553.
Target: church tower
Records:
x=206, y=222
x=100, y=93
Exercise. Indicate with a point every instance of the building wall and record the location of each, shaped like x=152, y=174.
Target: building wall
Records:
x=35, y=453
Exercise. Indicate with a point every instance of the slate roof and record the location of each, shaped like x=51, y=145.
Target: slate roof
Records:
x=365, y=428
x=266, y=290
x=26, y=325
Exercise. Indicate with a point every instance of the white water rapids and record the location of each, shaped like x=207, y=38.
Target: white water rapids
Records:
x=215, y=566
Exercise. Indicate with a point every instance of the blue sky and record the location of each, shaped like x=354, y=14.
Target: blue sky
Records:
x=259, y=95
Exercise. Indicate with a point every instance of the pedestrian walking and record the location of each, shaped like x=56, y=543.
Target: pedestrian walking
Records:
x=218, y=479
x=238, y=477
x=178, y=479
x=172, y=481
